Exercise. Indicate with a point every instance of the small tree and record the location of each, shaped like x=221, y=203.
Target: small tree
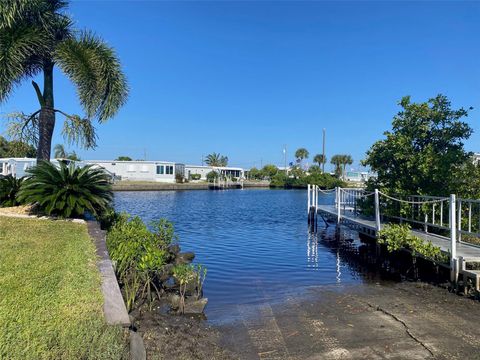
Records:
x=123, y=158
x=217, y=160
x=337, y=161
x=212, y=175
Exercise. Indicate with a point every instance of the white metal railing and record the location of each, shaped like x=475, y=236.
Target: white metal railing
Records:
x=453, y=215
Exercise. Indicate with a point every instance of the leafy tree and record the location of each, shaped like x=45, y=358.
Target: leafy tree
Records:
x=217, y=160
x=12, y=149
x=123, y=158
x=314, y=169
x=269, y=170
x=301, y=154
x=337, y=161
x=424, y=152
x=212, y=175
x=254, y=173
x=67, y=190
x=36, y=36
x=320, y=159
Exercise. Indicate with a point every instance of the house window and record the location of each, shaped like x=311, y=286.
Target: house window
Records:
x=169, y=170
x=160, y=170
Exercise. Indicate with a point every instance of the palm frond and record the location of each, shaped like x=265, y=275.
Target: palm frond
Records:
x=21, y=51
x=12, y=12
x=95, y=69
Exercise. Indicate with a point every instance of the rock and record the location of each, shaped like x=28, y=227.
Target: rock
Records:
x=137, y=347
x=174, y=249
x=166, y=272
x=184, y=258
x=195, y=306
x=174, y=301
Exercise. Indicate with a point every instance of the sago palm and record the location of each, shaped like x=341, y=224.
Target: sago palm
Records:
x=36, y=36
x=67, y=190
x=9, y=188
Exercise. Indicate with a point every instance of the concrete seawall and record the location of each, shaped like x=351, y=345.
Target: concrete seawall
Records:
x=158, y=186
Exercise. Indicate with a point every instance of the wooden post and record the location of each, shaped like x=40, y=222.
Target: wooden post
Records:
x=453, y=240
x=377, y=211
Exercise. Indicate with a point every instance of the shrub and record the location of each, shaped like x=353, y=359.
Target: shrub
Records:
x=195, y=176
x=9, y=188
x=67, y=190
x=179, y=178
x=139, y=254
x=398, y=236
x=212, y=175
x=183, y=274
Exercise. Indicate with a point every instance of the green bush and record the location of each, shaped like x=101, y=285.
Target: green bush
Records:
x=139, y=254
x=67, y=190
x=212, y=175
x=398, y=236
x=195, y=176
x=9, y=188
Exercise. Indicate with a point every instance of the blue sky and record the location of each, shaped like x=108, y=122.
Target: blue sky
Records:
x=244, y=78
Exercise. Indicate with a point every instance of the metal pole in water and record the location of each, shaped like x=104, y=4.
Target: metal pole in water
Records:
x=453, y=239
x=377, y=211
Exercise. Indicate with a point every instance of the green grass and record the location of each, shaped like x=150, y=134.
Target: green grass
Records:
x=50, y=297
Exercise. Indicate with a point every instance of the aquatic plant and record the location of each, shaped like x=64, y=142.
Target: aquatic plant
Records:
x=139, y=255
x=183, y=274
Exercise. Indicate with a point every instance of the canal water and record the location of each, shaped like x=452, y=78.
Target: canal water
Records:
x=254, y=242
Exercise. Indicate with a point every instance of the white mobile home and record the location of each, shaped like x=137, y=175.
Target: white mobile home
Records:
x=16, y=166
x=160, y=171
x=226, y=171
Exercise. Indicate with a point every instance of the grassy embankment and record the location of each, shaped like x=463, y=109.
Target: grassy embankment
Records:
x=50, y=295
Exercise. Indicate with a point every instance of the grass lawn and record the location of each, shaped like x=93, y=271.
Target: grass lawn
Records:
x=50, y=297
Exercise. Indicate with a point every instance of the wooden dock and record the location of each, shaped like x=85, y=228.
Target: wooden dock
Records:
x=344, y=211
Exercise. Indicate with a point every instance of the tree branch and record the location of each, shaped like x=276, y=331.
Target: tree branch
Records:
x=41, y=101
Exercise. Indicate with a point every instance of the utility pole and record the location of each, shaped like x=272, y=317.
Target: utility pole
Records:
x=285, y=160
x=323, y=152
x=202, y=159
x=144, y=154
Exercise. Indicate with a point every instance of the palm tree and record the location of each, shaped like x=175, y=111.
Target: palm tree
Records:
x=36, y=36
x=59, y=152
x=301, y=154
x=217, y=160
x=320, y=159
x=336, y=160
x=346, y=160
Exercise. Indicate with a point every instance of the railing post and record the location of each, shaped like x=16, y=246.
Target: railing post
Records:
x=453, y=239
x=339, y=205
x=308, y=199
x=459, y=220
x=377, y=211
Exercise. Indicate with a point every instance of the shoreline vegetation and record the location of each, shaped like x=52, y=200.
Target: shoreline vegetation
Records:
x=50, y=295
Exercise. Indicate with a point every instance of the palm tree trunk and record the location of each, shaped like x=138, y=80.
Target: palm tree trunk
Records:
x=46, y=122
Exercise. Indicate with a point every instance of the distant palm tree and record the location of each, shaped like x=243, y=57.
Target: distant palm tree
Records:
x=301, y=154
x=36, y=36
x=59, y=151
x=346, y=160
x=336, y=160
x=320, y=159
x=217, y=160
